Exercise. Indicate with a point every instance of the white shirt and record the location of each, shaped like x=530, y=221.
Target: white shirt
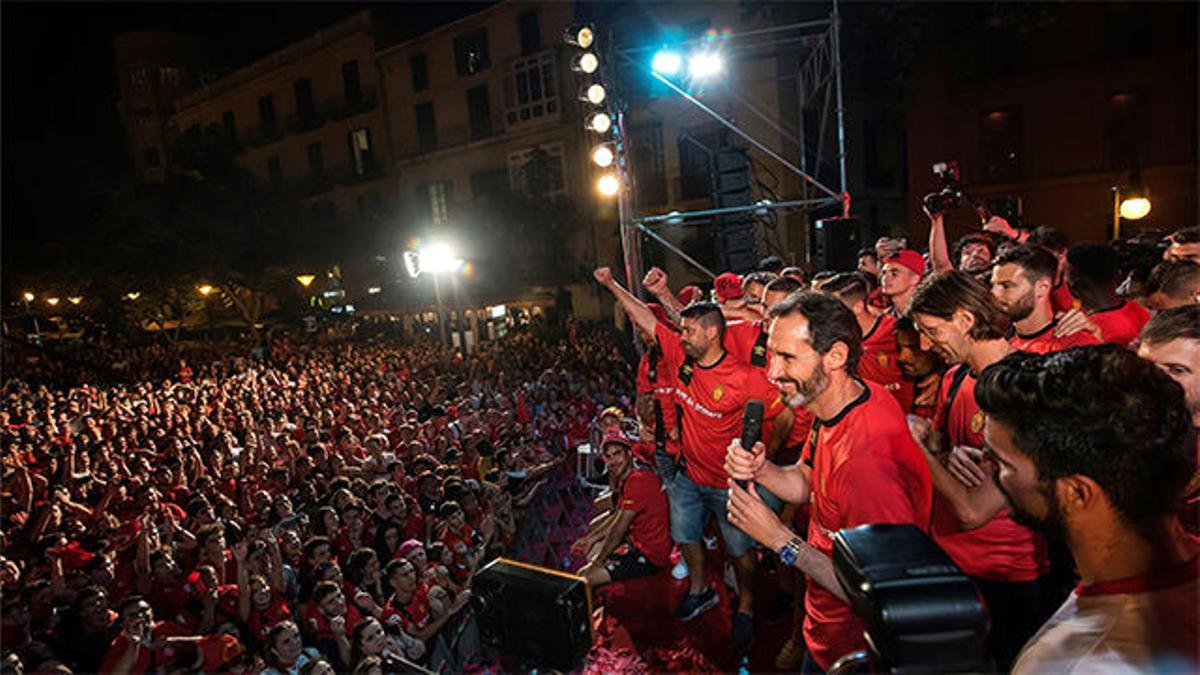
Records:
x=1138, y=625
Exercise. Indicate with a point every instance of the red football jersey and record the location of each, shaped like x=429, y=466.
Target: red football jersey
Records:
x=659, y=381
x=711, y=400
x=879, y=360
x=1061, y=299
x=1001, y=550
x=1044, y=341
x=1121, y=324
x=650, y=530
x=866, y=468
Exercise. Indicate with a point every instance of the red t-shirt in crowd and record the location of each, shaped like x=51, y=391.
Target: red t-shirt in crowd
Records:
x=1121, y=324
x=1045, y=342
x=746, y=341
x=148, y=659
x=879, y=362
x=1001, y=550
x=660, y=382
x=414, y=614
x=650, y=530
x=866, y=468
x=711, y=400
x=1061, y=299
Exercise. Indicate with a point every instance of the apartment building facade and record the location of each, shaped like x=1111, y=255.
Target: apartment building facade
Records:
x=310, y=114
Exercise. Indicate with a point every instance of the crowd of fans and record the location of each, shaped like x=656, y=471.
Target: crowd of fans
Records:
x=322, y=505
x=321, y=509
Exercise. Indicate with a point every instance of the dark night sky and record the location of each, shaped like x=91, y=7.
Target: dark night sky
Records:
x=60, y=124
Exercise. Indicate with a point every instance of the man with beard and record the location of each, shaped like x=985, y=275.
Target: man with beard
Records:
x=1093, y=447
x=1022, y=281
x=973, y=253
x=711, y=390
x=861, y=466
x=966, y=327
x=922, y=367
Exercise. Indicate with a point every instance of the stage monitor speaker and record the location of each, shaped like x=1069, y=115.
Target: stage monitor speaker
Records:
x=835, y=244
x=538, y=617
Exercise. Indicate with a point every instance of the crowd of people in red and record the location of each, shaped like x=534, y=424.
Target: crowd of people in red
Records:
x=320, y=510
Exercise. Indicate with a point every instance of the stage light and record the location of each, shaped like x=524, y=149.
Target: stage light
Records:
x=585, y=63
x=437, y=258
x=1135, y=208
x=608, y=185
x=593, y=93
x=603, y=156
x=580, y=35
x=705, y=64
x=667, y=63
x=600, y=123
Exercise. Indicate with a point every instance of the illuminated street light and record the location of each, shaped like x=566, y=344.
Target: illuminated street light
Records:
x=28, y=296
x=705, y=64
x=580, y=35
x=667, y=63
x=586, y=62
x=53, y=302
x=593, y=93
x=374, y=290
x=133, y=295
x=205, y=289
x=603, y=156
x=306, y=279
x=608, y=185
x=1135, y=208
x=438, y=258
x=600, y=123
x=75, y=299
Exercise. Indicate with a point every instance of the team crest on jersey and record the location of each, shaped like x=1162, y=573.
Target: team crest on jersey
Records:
x=760, y=350
x=977, y=422
x=882, y=358
x=718, y=393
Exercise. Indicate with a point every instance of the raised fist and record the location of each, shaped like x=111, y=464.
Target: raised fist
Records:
x=655, y=281
x=603, y=275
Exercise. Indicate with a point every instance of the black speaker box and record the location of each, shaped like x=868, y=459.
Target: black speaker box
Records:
x=538, y=617
x=835, y=244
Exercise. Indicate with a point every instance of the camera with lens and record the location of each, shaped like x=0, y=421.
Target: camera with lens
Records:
x=949, y=194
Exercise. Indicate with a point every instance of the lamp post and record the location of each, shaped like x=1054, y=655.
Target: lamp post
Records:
x=436, y=259
x=1131, y=202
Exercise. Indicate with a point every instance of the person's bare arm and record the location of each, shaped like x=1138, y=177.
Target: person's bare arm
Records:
x=939, y=251
x=656, y=282
x=636, y=309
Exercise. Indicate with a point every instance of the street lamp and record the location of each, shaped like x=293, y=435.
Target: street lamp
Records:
x=53, y=302
x=205, y=289
x=75, y=299
x=133, y=295
x=435, y=259
x=1131, y=202
x=28, y=296
x=306, y=279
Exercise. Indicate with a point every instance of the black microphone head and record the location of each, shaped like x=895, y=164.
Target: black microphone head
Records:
x=752, y=419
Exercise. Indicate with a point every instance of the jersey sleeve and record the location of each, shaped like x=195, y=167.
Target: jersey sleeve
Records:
x=672, y=347
x=644, y=386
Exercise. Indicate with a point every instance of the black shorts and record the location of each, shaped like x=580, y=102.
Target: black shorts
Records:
x=627, y=562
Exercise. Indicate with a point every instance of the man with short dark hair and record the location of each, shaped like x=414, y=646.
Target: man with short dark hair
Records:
x=1022, y=281
x=923, y=367
x=1092, y=446
x=879, y=363
x=1057, y=243
x=959, y=317
x=1092, y=278
x=753, y=286
x=1173, y=283
x=861, y=467
x=902, y=271
x=711, y=391
x=1183, y=244
x=868, y=262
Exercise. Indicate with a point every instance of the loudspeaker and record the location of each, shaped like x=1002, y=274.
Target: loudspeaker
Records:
x=922, y=613
x=539, y=617
x=835, y=244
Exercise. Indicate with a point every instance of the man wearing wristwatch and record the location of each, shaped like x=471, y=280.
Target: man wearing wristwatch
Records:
x=860, y=466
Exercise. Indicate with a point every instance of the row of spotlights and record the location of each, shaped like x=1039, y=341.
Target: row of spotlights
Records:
x=702, y=64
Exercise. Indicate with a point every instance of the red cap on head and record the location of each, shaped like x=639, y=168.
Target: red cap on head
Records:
x=612, y=411
x=690, y=294
x=218, y=650
x=615, y=436
x=908, y=258
x=728, y=287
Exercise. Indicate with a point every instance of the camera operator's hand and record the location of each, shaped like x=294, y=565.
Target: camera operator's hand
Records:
x=1075, y=321
x=966, y=464
x=742, y=464
x=936, y=218
x=1000, y=226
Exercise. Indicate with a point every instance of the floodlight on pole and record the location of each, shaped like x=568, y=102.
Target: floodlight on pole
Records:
x=593, y=93
x=600, y=122
x=705, y=64
x=667, y=62
x=608, y=185
x=438, y=258
x=580, y=35
x=603, y=156
x=586, y=63
x=1135, y=208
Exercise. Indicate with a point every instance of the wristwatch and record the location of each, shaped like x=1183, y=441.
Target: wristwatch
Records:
x=790, y=552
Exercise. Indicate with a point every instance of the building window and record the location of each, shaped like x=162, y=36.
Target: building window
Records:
x=351, y=83
x=274, y=169
x=151, y=157
x=537, y=171
x=1000, y=146
x=169, y=76
x=649, y=163
x=531, y=37
x=362, y=154
x=420, y=72
x=426, y=127
x=1125, y=128
x=479, y=111
x=489, y=183
x=302, y=88
x=266, y=114
x=441, y=194
x=471, y=52
x=530, y=93
x=137, y=77
x=142, y=117
x=230, y=128
x=316, y=160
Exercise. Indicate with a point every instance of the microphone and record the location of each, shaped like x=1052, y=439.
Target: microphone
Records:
x=752, y=419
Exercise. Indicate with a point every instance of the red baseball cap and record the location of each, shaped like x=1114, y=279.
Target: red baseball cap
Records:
x=690, y=294
x=616, y=436
x=728, y=287
x=908, y=258
x=218, y=651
